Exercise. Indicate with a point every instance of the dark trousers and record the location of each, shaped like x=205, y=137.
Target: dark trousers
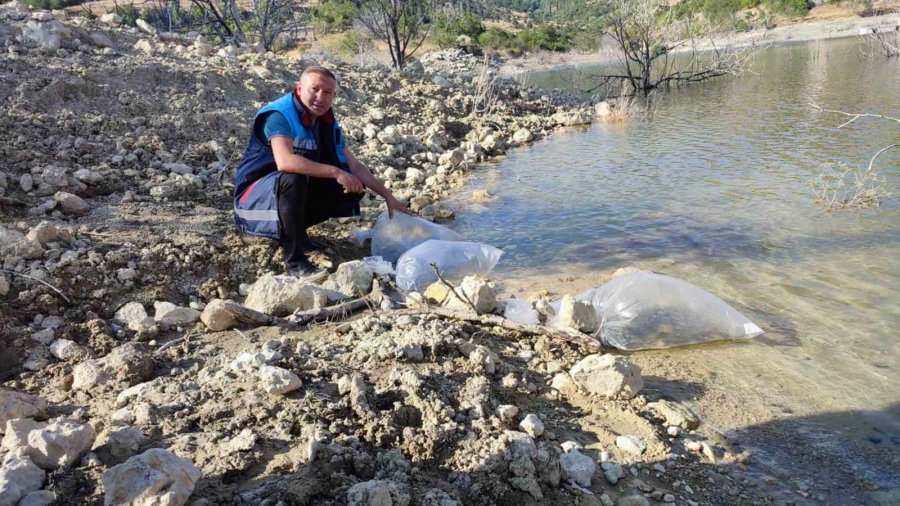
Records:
x=304, y=201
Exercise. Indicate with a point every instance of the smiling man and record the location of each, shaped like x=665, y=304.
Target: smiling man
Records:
x=297, y=172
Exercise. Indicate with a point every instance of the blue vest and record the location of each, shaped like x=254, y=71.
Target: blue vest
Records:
x=259, y=160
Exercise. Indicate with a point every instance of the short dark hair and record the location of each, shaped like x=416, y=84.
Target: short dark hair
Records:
x=322, y=71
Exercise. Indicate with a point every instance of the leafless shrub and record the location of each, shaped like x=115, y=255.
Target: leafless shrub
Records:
x=484, y=89
x=846, y=187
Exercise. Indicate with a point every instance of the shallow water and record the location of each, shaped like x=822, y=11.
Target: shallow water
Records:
x=710, y=189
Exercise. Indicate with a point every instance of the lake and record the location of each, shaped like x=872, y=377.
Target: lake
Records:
x=710, y=188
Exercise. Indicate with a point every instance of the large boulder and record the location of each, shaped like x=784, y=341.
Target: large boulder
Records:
x=351, y=278
x=282, y=295
x=18, y=477
x=18, y=405
x=60, y=443
x=609, y=376
x=153, y=478
x=128, y=364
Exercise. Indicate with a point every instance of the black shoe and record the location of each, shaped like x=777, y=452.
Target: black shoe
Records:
x=307, y=272
x=310, y=245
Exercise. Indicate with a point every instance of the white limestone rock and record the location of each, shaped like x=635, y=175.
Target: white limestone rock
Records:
x=532, y=425
x=170, y=314
x=19, y=405
x=578, y=467
x=631, y=444
x=572, y=118
x=19, y=476
x=4, y=285
x=507, y=412
x=282, y=295
x=111, y=19
x=276, y=380
x=71, y=203
x=129, y=364
x=376, y=493
x=216, y=318
x=64, y=349
x=120, y=444
x=17, y=431
x=154, y=478
x=131, y=315
x=145, y=27
x=676, y=414
x=351, y=278
x=44, y=232
x=522, y=136
x=60, y=443
x=578, y=314
x=608, y=376
x=481, y=292
x=39, y=498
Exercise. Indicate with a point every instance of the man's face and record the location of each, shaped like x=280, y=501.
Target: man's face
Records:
x=317, y=93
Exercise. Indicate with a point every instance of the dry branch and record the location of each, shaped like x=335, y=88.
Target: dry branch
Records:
x=446, y=283
x=568, y=336
x=299, y=319
x=48, y=285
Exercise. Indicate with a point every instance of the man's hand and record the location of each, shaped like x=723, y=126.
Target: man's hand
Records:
x=394, y=205
x=351, y=183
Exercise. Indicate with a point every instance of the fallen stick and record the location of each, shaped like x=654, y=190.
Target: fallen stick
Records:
x=341, y=311
x=57, y=290
x=569, y=336
x=464, y=297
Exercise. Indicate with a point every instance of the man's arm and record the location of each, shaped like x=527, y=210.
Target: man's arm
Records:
x=363, y=173
x=287, y=161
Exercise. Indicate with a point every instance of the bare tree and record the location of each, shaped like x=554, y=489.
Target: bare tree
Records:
x=398, y=23
x=271, y=18
x=643, y=31
x=226, y=19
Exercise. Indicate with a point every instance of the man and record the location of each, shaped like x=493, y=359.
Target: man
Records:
x=297, y=172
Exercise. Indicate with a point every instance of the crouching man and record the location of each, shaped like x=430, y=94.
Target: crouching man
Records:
x=297, y=172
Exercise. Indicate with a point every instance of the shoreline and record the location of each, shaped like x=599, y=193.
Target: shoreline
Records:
x=849, y=26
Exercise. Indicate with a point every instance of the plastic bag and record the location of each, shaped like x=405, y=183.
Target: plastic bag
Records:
x=391, y=237
x=645, y=310
x=520, y=311
x=378, y=265
x=454, y=259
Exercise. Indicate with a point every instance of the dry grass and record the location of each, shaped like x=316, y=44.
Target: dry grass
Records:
x=846, y=187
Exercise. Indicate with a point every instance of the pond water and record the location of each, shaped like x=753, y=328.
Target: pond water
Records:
x=710, y=188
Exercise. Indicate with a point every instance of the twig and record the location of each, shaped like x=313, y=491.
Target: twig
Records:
x=569, y=336
x=882, y=150
x=341, y=311
x=171, y=343
x=57, y=290
x=446, y=283
x=853, y=115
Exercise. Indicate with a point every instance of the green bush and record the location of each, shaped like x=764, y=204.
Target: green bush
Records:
x=496, y=40
x=790, y=7
x=352, y=42
x=335, y=14
x=447, y=29
x=128, y=12
x=545, y=37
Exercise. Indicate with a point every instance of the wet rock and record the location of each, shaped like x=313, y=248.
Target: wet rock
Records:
x=453, y=158
x=676, y=414
x=170, y=314
x=609, y=376
x=155, y=477
x=532, y=425
x=276, y=380
x=216, y=318
x=351, y=278
x=128, y=364
x=60, y=443
x=578, y=314
x=17, y=431
x=65, y=349
x=19, y=476
x=572, y=118
x=20, y=405
x=71, y=203
x=579, y=468
x=282, y=295
x=376, y=493
x=631, y=444
x=522, y=136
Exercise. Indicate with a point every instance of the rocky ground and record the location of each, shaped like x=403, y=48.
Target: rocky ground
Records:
x=119, y=148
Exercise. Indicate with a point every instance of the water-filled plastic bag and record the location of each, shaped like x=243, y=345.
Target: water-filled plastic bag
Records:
x=645, y=310
x=520, y=311
x=391, y=237
x=454, y=259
